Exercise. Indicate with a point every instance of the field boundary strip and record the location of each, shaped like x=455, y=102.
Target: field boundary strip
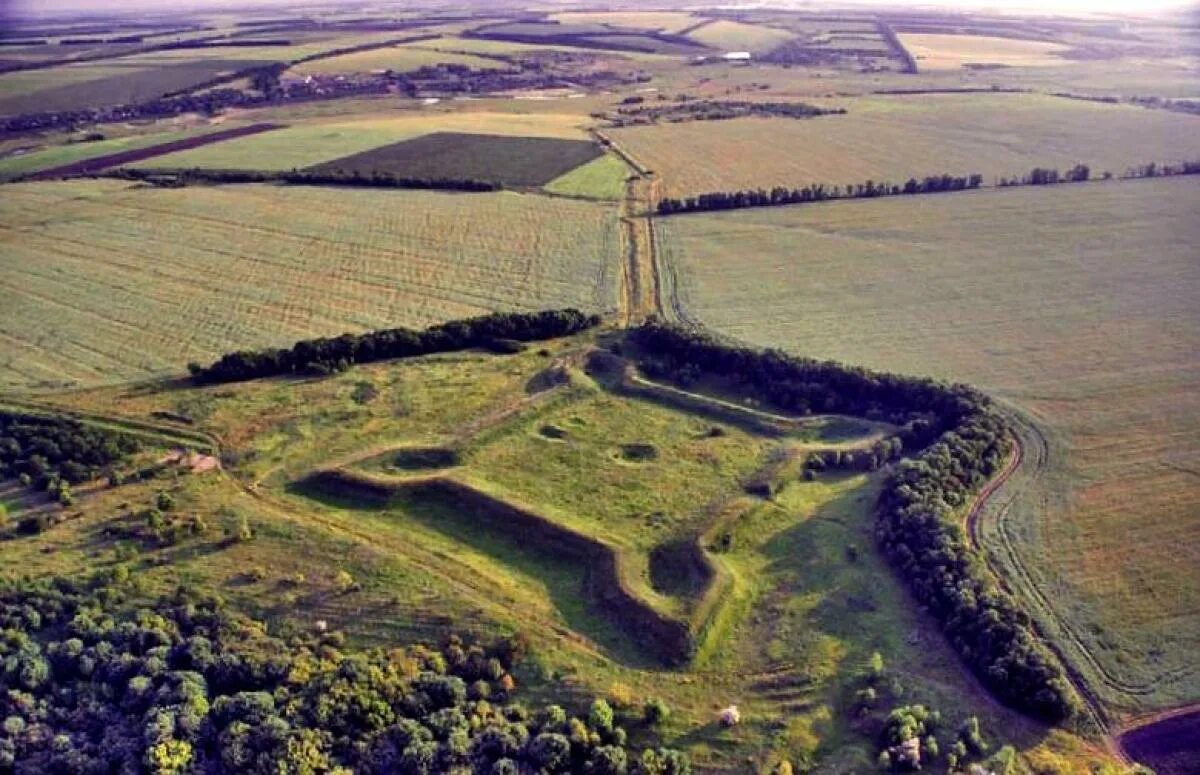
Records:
x=88, y=166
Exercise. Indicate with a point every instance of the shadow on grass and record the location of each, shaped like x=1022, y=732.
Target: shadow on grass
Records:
x=562, y=577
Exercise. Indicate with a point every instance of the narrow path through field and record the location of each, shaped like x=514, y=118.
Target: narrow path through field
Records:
x=641, y=288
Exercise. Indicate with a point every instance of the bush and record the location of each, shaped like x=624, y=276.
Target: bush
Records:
x=655, y=712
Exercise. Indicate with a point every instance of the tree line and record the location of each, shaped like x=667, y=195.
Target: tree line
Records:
x=498, y=331
x=955, y=441
x=46, y=451
x=687, y=109
x=376, y=179
x=94, y=680
x=732, y=200
x=933, y=184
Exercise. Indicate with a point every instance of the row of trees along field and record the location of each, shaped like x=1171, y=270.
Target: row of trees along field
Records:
x=48, y=451
x=92, y=681
x=933, y=184
x=502, y=331
x=956, y=441
x=376, y=179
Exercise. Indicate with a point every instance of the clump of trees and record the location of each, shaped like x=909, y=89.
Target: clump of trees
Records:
x=956, y=440
x=731, y=200
x=53, y=452
x=90, y=681
x=329, y=355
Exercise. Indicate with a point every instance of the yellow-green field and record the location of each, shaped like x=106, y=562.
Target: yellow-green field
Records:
x=603, y=178
x=398, y=58
x=894, y=137
x=313, y=142
x=107, y=281
x=951, y=52
x=735, y=36
x=1078, y=305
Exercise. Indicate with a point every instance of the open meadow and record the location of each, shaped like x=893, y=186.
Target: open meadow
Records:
x=193, y=273
x=1074, y=303
x=893, y=138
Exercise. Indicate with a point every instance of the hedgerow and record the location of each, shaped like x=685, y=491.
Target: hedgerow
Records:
x=323, y=356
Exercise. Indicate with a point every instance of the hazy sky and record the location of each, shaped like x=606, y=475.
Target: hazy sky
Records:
x=24, y=7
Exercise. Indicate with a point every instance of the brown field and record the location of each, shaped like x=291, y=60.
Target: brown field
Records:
x=104, y=281
x=895, y=137
x=951, y=52
x=1077, y=304
x=509, y=161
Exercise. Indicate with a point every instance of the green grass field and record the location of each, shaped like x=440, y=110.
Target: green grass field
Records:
x=602, y=178
x=892, y=138
x=1074, y=303
x=803, y=614
x=193, y=273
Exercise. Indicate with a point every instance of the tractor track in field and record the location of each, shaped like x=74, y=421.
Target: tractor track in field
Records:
x=1030, y=453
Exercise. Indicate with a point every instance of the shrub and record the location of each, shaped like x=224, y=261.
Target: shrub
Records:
x=655, y=712
x=600, y=715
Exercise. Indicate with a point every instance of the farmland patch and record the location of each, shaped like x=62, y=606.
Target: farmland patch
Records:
x=512, y=161
x=315, y=142
x=953, y=52
x=396, y=58
x=1076, y=304
x=893, y=138
x=97, y=163
x=736, y=36
x=195, y=273
x=601, y=178
x=126, y=88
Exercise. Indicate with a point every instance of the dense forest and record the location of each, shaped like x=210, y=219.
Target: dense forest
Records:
x=955, y=441
x=45, y=451
x=91, y=681
x=498, y=331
